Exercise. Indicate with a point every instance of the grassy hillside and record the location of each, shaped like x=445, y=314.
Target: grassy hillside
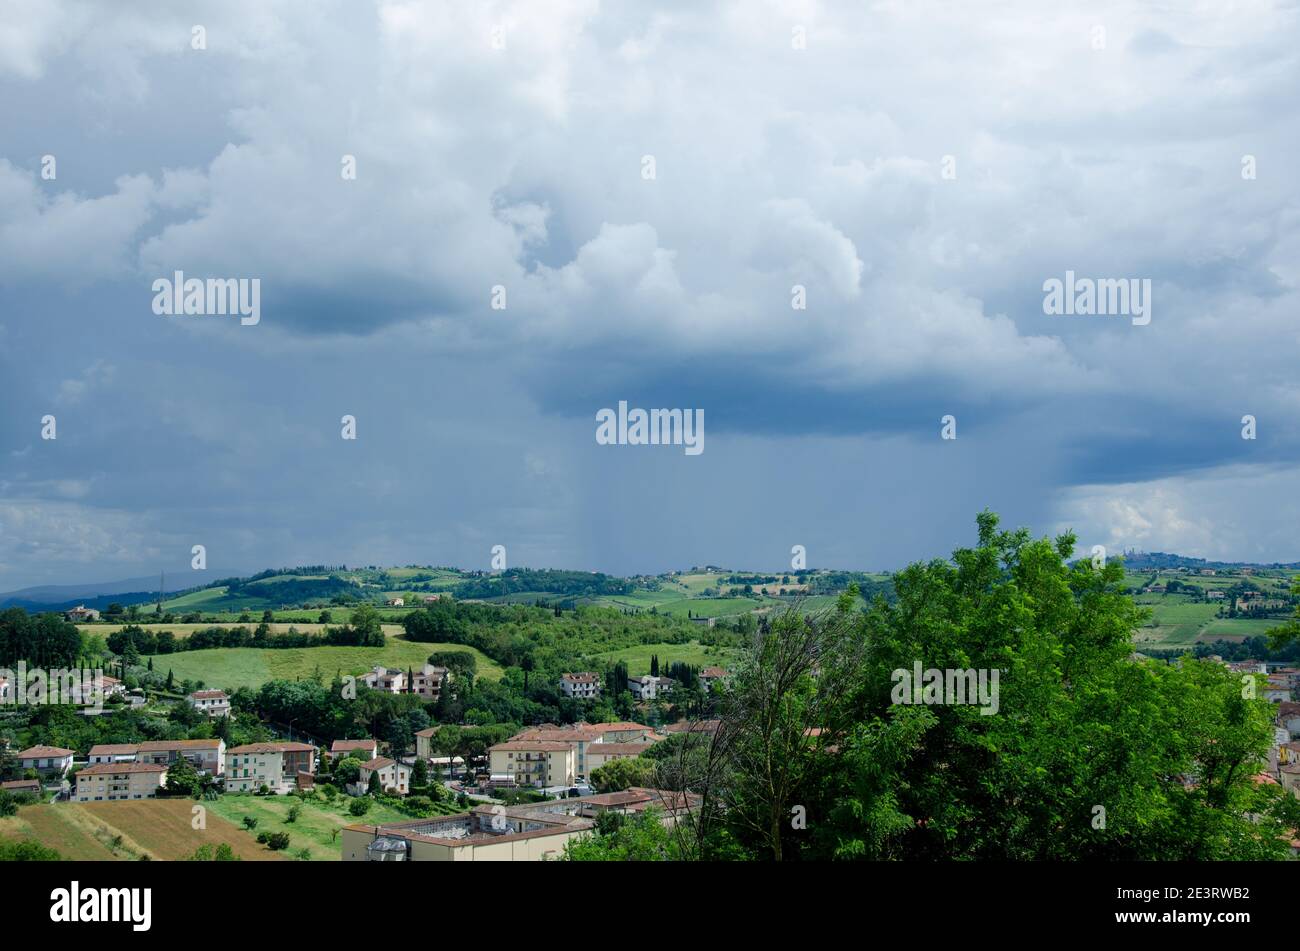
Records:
x=695, y=653
x=235, y=667
x=315, y=829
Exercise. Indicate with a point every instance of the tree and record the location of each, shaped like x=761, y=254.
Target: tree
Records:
x=374, y=788
x=420, y=772
x=182, y=778
x=642, y=838
x=620, y=774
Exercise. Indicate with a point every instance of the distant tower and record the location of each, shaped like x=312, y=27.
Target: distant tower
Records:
x=161, y=589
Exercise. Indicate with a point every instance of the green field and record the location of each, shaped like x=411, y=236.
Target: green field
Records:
x=315, y=827
x=717, y=607
x=692, y=652
x=235, y=667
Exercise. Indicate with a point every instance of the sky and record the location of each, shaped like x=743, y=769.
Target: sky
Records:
x=647, y=184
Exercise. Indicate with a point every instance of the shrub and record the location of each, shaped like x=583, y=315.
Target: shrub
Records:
x=359, y=807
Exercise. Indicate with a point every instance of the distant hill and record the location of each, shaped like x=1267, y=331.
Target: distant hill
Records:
x=1141, y=560
x=61, y=597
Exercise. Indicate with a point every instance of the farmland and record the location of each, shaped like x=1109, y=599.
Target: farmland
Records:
x=127, y=831
x=694, y=653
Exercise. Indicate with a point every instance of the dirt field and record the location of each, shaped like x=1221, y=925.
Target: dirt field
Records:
x=125, y=831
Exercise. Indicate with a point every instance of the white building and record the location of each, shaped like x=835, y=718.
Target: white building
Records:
x=650, y=688
x=584, y=685
x=213, y=703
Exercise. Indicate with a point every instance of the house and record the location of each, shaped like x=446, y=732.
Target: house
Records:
x=430, y=598
x=101, y=685
x=108, y=781
x=584, y=685
x=32, y=786
x=533, y=763
x=274, y=765
x=693, y=726
x=711, y=675
x=650, y=688
x=52, y=762
x=82, y=613
x=1215, y=595
x=1290, y=778
x=477, y=836
x=392, y=776
x=396, y=602
x=213, y=703
x=341, y=748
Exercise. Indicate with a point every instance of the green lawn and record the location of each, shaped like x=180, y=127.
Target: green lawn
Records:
x=314, y=828
x=692, y=652
x=716, y=607
x=234, y=667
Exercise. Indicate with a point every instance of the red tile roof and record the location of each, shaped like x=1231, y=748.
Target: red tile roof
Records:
x=45, y=752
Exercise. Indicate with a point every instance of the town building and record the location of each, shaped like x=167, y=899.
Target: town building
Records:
x=582, y=686
x=341, y=748
x=465, y=837
x=213, y=703
x=207, y=756
x=533, y=763
x=274, y=765
x=711, y=675
x=649, y=687
x=51, y=762
x=393, y=776
x=109, y=781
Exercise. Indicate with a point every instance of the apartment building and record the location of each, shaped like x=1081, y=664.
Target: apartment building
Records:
x=108, y=781
x=533, y=763
x=428, y=681
x=212, y=703
x=274, y=765
x=583, y=738
x=582, y=686
x=207, y=756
